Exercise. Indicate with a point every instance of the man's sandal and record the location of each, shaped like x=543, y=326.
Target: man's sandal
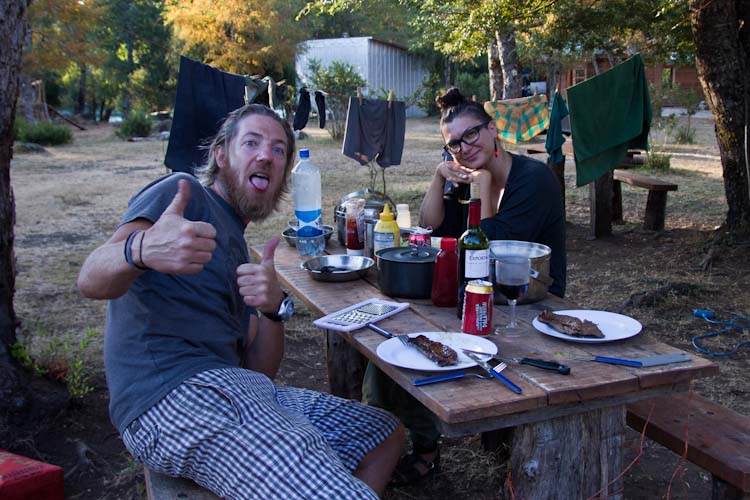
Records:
x=408, y=473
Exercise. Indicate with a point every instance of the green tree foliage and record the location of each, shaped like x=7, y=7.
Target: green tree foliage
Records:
x=139, y=66
x=383, y=19
x=62, y=34
x=339, y=79
x=240, y=36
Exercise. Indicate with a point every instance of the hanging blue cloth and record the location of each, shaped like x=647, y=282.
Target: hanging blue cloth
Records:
x=555, y=137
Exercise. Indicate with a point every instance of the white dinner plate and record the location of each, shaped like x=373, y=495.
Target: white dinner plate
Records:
x=396, y=353
x=614, y=326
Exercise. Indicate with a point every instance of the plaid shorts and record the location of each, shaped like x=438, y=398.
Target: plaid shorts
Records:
x=238, y=434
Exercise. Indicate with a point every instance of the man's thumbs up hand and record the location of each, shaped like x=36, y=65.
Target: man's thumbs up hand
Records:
x=180, y=200
x=258, y=284
x=175, y=245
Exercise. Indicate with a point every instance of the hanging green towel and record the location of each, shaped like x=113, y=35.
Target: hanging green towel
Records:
x=555, y=138
x=609, y=114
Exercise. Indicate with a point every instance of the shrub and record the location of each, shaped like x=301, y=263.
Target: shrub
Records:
x=474, y=85
x=685, y=135
x=657, y=161
x=339, y=79
x=137, y=124
x=44, y=133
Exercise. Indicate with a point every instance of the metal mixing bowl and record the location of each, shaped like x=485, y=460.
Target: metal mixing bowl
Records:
x=338, y=267
x=290, y=235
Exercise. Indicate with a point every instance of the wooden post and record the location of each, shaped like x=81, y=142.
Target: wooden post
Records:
x=569, y=457
x=617, y=202
x=600, y=201
x=656, y=209
x=346, y=367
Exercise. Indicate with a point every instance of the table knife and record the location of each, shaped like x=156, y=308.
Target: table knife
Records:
x=539, y=363
x=488, y=368
x=655, y=360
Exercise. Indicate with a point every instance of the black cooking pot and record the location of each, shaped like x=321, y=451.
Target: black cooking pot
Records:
x=406, y=271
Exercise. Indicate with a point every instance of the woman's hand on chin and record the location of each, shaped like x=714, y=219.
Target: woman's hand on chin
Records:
x=453, y=172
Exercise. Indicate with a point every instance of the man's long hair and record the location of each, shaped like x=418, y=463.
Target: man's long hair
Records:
x=206, y=174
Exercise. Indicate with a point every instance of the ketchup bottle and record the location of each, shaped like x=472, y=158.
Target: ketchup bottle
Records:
x=445, y=280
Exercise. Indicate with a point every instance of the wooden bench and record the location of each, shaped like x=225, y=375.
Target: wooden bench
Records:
x=163, y=487
x=718, y=438
x=656, y=204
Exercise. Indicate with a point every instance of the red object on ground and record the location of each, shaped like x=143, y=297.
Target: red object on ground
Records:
x=22, y=478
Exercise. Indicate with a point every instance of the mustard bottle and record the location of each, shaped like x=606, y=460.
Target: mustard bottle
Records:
x=386, y=232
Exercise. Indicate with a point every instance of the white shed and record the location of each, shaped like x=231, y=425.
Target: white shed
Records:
x=383, y=64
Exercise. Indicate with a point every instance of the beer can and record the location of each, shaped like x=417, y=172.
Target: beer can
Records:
x=419, y=239
x=477, y=311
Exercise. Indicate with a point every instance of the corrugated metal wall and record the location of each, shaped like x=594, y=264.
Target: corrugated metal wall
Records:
x=383, y=65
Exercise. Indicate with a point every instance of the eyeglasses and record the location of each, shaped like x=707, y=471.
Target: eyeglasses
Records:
x=469, y=137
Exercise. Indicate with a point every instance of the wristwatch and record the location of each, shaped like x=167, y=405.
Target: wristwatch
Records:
x=286, y=309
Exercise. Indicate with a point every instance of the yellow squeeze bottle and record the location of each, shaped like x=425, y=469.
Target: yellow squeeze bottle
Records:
x=386, y=232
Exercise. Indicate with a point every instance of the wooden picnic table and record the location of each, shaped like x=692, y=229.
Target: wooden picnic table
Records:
x=568, y=430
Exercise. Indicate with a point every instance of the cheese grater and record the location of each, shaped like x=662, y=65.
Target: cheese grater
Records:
x=359, y=315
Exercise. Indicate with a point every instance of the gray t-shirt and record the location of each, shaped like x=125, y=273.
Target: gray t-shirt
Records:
x=167, y=328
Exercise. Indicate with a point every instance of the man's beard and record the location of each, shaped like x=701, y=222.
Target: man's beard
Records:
x=249, y=208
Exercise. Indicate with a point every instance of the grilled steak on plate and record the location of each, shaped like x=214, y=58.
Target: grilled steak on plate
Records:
x=435, y=351
x=570, y=325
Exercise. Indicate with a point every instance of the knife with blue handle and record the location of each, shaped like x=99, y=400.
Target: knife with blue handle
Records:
x=439, y=378
x=488, y=368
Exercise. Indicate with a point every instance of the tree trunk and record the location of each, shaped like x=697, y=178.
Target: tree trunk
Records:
x=12, y=37
x=552, y=68
x=81, y=95
x=496, y=71
x=722, y=40
x=447, y=73
x=510, y=62
x=595, y=63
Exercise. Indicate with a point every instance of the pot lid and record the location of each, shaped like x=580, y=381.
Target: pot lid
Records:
x=413, y=254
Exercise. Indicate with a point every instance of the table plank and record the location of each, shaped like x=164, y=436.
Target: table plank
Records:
x=464, y=403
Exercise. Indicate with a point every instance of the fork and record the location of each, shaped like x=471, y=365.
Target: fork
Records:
x=500, y=367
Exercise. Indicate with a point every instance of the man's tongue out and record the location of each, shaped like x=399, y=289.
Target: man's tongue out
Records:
x=260, y=183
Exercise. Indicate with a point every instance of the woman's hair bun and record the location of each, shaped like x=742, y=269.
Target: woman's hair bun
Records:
x=450, y=99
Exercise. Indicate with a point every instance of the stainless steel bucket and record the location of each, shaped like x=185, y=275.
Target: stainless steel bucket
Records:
x=373, y=200
x=538, y=254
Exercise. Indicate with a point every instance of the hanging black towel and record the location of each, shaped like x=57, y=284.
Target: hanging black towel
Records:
x=303, y=110
x=205, y=95
x=320, y=102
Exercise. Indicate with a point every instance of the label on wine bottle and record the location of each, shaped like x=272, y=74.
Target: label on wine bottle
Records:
x=477, y=264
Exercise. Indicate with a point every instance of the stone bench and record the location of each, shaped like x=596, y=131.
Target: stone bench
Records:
x=718, y=439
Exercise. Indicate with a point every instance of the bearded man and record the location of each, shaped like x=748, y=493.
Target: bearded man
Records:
x=195, y=336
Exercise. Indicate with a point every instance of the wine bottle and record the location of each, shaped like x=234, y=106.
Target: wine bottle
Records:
x=474, y=253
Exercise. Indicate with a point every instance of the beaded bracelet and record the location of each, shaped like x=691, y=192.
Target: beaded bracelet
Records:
x=129, y=251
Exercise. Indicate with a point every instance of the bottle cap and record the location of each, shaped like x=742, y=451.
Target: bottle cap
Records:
x=304, y=153
x=402, y=207
x=448, y=244
x=386, y=214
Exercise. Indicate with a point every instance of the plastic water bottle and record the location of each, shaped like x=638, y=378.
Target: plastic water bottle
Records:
x=307, y=206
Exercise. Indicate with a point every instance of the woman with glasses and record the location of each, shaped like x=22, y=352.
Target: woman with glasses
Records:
x=521, y=200
x=521, y=197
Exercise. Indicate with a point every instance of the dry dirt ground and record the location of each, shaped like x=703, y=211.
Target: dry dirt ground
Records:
x=69, y=200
